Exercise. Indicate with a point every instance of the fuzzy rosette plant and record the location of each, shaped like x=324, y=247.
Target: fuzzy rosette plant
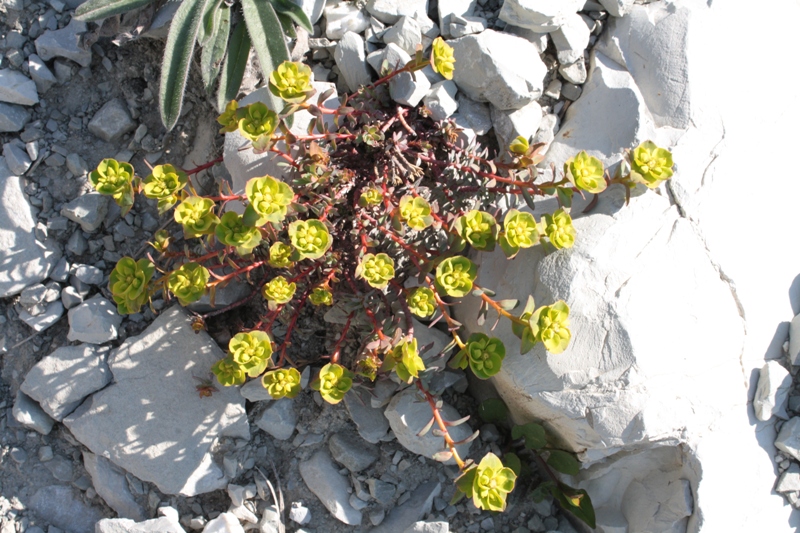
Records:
x=377, y=219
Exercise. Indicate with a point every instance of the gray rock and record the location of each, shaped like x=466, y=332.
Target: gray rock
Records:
x=574, y=73
x=77, y=244
x=571, y=39
x=42, y=76
x=794, y=341
x=32, y=295
x=486, y=69
x=28, y=413
x=450, y=8
x=390, y=11
x=94, y=321
x=61, y=380
x=88, y=210
x=345, y=17
x=428, y=527
x=70, y=297
x=88, y=274
x=16, y=159
x=125, y=525
x=17, y=88
x=617, y=8
x=508, y=125
x=477, y=114
x=547, y=130
x=224, y=523
x=278, y=419
x=543, y=16
x=570, y=91
x=110, y=483
x=117, y=424
x=112, y=121
x=64, y=43
x=299, y=514
x=371, y=424
x=394, y=56
x=790, y=479
x=788, y=440
x=351, y=60
x=322, y=478
x=381, y=491
x=409, y=88
x=772, y=391
x=61, y=507
x=407, y=416
x=537, y=39
x=418, y=505
x=45, y=319
x=76, y=165
x=466, y=25
x=61, y=468
x=60, y=271
x=230, y=293
x=13, y=117
x=352, y=452
x=406, y=34
x=441, y=100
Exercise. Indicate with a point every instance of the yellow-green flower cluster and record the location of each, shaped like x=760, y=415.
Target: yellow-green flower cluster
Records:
x=521, y=231
x=416, y=212
x=454, y=276
x=492, y=483
x=321, y=296
x=550, y=325
x=188, y=283
x=291, y=81
x=258, y=121
x=128, y=284
x=650, y=164
x=422, y=302
x=229, y=119
x=278, y=290
x=165, y=184
x=196, y=215
x=280, y=255
x=251, y=351
x=559, y=229
x=442, y=58
x=484, y=355
x=377, y=270
x=269, y=199
x=478, y=228
x=231, y=231
x=333, y=382
x=228, y=372
x=404, y=359
x=310, y=238
x=586, y=172
x=113, y=178
x=370, y=196
x=519, y=146
x=282, y=383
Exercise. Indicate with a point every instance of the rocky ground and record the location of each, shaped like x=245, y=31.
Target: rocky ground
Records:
x=180, y=461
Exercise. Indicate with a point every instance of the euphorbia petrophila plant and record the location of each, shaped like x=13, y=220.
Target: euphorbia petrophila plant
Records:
x=373, y=223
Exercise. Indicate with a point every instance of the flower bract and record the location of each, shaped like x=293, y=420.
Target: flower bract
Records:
x=229, y=119
x=128, y=284
x=282, y=383
x=333, y=382
x=228, y=372
x=404, y=359
x=280, y=255
x=422, y=302
x=269, y=199
x=113, y=178
x=478, y=228
x=251, y=351
x=442, y=58
x=519, y=146
x=377, y=270
x=650, y=164
x=559, y=229
x=321, y=296
x=454, y=276
x=196, y=215
x=586, y=172
x=232, y=231
x=291, y=81
x=370, y=196
x=164, y=184
x=279, y=290
x=485, y=355
x=492, y=483
x=188, y=283
x=258, y=121
x=521, y=231
x=550, y=325
x=310, y=238
x=416, y=212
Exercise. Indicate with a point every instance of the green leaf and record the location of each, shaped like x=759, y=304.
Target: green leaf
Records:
x=507, y=247
x=267, y=37
x=177, y=59
x=214, y=50
x=576, y=501
x=542, y=491
x=294, y=12
x=564, y=196
x=564, y=462
x=233, y=68
x=511, y=460
x=210, y=22
x=287, y=25
x=534, y=435
x=526, y=195
x=100, y=9
x=493, y=411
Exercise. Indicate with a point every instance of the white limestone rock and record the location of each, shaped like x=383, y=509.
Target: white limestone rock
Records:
x=23, y=259
x=499, y=68
x=147, y=420
x=65, y=43
x=450, y=8
x=224, y=523
x=772, y=393
x=542, y=16
x=12, y=117
x=571, y=39
x=369, y=419
x=30, y=414
x=441, y=100
x=17, y=88
x=61, y=380
x=94, y=321
x=790, y=479
x=312, y=8
x=352, y=62
x=537, y=39
x=466, y=25
x=508, y=125
x=110, y=483
x=794, y=341
x=41, y=75
x=477, y=114
x=390, y=11
x=343, y=17
x=278, y=419
x=788, y=440
x=394, y=56
x=406, y=34
x=322, y=477
x=407, y=416
x=243, y=164
x=617, y=8
x=409, y=88
x=112, y=121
